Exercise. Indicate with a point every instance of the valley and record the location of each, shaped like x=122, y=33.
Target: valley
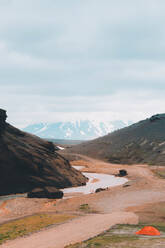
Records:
x=117, y=205
x=82, y=124
x=95, y=196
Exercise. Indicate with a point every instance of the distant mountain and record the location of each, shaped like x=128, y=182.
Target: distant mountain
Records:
x=143, y=142
x=78, y=130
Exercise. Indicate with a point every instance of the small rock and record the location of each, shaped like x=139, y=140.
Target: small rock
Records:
x=126, y=185
x=99, y=190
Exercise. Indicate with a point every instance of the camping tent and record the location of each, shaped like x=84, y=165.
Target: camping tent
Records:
x=148, y=230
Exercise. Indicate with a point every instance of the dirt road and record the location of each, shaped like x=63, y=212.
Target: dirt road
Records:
x=74, y=231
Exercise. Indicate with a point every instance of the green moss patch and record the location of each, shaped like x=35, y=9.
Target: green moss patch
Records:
x=86, y=209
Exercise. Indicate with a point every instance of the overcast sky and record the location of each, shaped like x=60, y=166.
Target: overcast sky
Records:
x=71, y=59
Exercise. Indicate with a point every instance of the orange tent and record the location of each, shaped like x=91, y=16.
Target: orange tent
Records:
x=148, y=230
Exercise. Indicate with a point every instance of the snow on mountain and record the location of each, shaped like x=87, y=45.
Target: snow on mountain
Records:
x=75, y=130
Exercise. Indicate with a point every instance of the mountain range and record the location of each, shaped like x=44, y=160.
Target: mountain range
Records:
x=75, y=130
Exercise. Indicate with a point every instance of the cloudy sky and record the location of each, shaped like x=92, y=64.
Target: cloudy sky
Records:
x=71, y=59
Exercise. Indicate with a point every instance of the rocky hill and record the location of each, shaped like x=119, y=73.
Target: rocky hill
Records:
x=29, y=163
x=75, y=130
x=143, y=142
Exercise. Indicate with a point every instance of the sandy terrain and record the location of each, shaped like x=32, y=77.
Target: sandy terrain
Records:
x=73, y=231
x=143, y=188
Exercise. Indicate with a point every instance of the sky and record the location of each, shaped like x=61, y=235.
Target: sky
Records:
x=81, y=59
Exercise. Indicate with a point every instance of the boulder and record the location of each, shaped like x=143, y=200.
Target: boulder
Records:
x=122, y=173
x=155, y=118
x=47, y=192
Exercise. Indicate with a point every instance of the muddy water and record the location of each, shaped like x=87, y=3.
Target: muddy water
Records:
x=96, y=181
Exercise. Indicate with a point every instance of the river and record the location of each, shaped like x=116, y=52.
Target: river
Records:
x=95, y=181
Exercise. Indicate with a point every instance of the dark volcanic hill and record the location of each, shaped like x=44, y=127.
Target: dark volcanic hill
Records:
x=143, y=142
x=28, y=162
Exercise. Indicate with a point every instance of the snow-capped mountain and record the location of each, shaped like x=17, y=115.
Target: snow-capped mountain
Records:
x=77, y=130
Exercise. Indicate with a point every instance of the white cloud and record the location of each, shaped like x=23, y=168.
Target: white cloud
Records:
x=27, y=109
x=91, y=58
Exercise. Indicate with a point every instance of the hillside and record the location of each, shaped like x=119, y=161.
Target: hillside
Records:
x=75, y=130
x=143, y=142
x=28, y=162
